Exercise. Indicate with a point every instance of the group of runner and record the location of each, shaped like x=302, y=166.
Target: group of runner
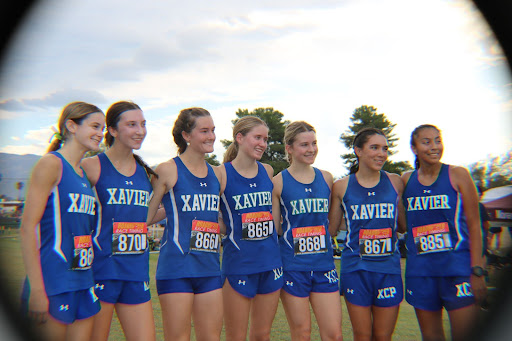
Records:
x=85, y=246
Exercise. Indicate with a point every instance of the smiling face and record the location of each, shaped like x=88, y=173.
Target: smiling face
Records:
x=89, y=132
x=428, y=146
x=304, y=148
x=130, y=130
x=202, y=136
x=374, y=152
x=254, y=143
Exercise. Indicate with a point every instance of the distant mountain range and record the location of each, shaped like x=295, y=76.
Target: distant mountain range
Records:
x=15, y=168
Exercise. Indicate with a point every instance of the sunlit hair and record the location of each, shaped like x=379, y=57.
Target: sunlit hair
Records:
x=112, y=120
x=75, y=111
x=360, y=140
x=243, y=126
x=113, y=117
x=414, y=136
x=292, y=130
x=186, y=122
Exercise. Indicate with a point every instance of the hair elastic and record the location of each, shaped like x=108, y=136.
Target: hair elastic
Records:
x=55, y=134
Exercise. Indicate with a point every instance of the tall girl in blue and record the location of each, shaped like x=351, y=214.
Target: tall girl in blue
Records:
x=301, y=197
x=56, y=228
x=121, y=264
x=188, y=272
x=370, y=200
x=444, y=242
x=251, y=262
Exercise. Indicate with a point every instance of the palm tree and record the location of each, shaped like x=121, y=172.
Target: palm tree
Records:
x=19, y=186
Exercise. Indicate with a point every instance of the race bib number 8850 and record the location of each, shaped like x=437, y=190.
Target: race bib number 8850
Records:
x=257, y=225
x=432, y=238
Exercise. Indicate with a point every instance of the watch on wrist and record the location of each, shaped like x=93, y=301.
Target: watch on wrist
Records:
x=478, y=271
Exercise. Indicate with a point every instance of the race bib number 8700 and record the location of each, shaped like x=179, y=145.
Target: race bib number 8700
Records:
x=257, y=225
x=129, y=238
x=432, y=238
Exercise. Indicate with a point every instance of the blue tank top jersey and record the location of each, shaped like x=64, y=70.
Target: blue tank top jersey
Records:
x=191, y=242
x=371, y=216
x=305, y=243
x=251, y=245
x=65, y=230
x=437, y=233
x=120, y=240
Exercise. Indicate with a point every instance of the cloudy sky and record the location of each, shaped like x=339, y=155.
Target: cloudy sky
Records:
x=416, y=61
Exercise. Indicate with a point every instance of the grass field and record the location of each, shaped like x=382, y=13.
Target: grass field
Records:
x=12, y=275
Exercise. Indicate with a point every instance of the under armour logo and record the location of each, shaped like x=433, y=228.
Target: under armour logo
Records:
x=84, y=184
x=371, y=193
x=426, y=191
x=64, y=307
x=241, y=282
x=129, y=182
x=146, y=286
x=278, y=273
x=307, y=189
x=350, y=291
x=252, y=185
x=409, y=292
x=203, y=184
x=289, y=283
x=99, y=286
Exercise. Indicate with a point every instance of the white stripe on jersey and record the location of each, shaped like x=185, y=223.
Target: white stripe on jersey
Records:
x=231, y=236
x=176, y=220
x=57, y=225
x=99, y=217
x=457, y=219
x=289, y=225
x=347, y=221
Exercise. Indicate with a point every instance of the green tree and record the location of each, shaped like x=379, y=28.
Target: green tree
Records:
x=103, y=148
x=275, y=154
x=212, y=159
x=492, y=172
x=367, y=116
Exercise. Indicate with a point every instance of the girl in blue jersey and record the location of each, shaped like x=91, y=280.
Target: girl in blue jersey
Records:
x=301, y=197
x=56, y=228
x=370, y=201
x=251, y=263
x=121, y=264
x=444, y=242
x=188, y=272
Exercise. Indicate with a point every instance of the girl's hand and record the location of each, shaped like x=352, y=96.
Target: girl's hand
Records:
x=38, y=306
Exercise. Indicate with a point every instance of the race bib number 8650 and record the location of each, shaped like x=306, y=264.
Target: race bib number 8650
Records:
x=257, y=225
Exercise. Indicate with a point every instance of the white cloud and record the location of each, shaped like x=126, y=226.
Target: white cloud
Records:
x=311, y=60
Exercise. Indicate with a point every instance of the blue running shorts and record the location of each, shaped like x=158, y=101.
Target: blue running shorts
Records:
x=365, y=288
x=434, y=293
x=302, y=283
x=259, y=283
